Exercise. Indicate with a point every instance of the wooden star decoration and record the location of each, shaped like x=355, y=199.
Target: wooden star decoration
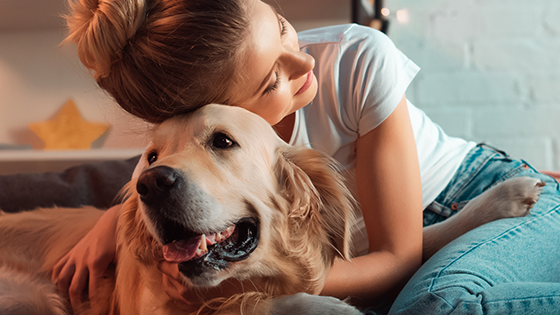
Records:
x=68, y=130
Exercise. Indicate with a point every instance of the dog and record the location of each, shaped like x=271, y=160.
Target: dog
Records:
x=253, y=223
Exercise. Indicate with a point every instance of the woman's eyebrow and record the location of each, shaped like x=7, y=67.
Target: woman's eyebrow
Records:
x=273, y=9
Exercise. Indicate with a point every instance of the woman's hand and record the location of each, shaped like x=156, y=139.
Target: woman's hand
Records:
x=177, y=292
x=185, y=297
x=90, y=258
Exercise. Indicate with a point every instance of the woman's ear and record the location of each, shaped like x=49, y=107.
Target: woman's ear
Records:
x=312, y=184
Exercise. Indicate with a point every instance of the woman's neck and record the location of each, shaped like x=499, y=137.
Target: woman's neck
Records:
x=285, y=127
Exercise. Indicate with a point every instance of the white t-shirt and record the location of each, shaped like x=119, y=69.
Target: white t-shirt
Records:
x=362, y=77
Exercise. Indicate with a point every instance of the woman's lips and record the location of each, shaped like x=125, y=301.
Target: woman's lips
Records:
x=307, y=84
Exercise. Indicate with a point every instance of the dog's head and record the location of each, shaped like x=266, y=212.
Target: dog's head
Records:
x=223, y=196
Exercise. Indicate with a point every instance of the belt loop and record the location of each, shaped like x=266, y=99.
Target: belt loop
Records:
x=484, y=145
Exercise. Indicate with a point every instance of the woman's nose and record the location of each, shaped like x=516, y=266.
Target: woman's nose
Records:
x=298, y=63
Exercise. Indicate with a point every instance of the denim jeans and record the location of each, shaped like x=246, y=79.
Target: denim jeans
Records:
x=509, y=266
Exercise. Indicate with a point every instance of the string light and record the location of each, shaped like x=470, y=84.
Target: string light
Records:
x=385, y=12
x=402, y=16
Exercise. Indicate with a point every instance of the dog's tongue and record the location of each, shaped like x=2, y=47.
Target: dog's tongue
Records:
x=180, y=251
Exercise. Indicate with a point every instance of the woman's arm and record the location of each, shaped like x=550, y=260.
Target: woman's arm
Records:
x=390, y=193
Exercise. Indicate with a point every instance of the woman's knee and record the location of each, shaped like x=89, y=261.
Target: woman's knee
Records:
x=428, y=293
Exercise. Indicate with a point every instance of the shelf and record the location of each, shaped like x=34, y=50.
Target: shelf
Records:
x=34, y=161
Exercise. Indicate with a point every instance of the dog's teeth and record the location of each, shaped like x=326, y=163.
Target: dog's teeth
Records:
x=200, y=252
x=203, y=246
x=219, y=237
x=229, y=231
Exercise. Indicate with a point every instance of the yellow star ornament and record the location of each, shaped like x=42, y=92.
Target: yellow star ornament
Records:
x=68, y=130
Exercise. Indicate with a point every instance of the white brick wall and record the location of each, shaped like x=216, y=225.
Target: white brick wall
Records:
x=490, y=70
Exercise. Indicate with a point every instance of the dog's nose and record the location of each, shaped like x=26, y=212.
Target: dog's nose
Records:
x=156, y=183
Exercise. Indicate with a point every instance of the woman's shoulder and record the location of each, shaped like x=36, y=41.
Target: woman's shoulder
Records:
x=343, y=35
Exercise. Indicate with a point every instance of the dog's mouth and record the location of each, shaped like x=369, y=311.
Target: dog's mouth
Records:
x=197, y=253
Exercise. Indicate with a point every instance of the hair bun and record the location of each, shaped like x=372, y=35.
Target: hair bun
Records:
x=102, y=28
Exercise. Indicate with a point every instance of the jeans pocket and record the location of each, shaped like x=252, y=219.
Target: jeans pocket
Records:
x=437, y=212
x=493, y=171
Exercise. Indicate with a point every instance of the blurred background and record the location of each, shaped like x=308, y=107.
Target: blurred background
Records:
x=490, y=69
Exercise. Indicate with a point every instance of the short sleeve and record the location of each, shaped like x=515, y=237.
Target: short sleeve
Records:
x=374, y=76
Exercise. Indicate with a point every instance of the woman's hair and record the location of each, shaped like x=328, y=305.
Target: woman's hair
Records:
x=160, y=58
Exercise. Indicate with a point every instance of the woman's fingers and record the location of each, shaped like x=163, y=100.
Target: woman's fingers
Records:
x=177, y=293
x=58, y=268
x=172, y=284
x=78, y=268
x=76, y=288
x=90, y=258
x=64, y=277
x=172, y=288
x=98, y=269
x=171, y=280
x=170, y=269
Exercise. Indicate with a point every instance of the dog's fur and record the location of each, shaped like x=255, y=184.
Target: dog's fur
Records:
x=205, y=171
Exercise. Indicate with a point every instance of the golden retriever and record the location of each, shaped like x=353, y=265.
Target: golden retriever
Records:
x=253, y=223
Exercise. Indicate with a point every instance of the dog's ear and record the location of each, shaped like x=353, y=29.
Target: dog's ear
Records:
x=319, y=199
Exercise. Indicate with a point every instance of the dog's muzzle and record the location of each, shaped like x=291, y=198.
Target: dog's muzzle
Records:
x=176, y=206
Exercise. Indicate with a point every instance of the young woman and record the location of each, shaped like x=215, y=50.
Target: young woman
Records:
x=341, y=90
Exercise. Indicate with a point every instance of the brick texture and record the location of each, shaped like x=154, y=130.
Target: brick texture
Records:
x=490, y=71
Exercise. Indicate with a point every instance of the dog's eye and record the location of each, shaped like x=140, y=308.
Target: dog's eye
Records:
x=152, y=157
x=222, y=141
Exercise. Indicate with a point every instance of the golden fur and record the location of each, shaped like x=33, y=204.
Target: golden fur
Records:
x=303, y=209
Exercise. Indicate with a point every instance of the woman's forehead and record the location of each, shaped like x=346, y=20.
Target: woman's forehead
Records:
x=259, y=53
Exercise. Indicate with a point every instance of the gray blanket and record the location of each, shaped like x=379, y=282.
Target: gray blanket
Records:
x=96, y=184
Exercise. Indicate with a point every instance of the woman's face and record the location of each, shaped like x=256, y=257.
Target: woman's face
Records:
x=274, y=78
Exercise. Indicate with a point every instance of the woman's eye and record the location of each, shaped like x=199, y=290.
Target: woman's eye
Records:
x=274, y=86
x=222, y=141
x=152, y=157
x=283, y=29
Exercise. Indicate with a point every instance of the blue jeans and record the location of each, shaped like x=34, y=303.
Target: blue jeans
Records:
x=509, y=266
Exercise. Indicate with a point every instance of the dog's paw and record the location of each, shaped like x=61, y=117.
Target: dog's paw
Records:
x=522, y=193
x=513, y=198
x=303, y=303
